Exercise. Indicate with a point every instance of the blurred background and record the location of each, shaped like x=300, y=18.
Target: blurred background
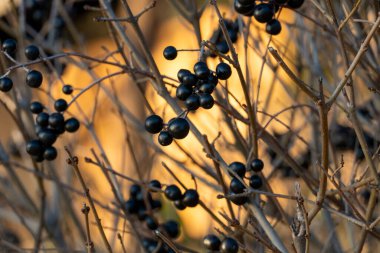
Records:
x=113, y=112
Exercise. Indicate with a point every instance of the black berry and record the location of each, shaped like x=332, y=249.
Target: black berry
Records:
x=236, y=186
x=179, y=128
x=60, y=105
x=179, y=205
x=36, y=107
x=201, y=70
x=9, y=46
x=67, y=89
x=42, y=119
x=189, y=80
x=151, y=222
x=72, y=125
x=170, y=53
x=257, y=165
x=6, y=84
x=207, y=88
x=273, y=27
x=155, y=184
x=154, y=124
x=192, y=102
x=263, y=13
x=172, y=192
x=172, y=228
x=255, y=182
x=212, y=242
x=182, y=73
x=229, y=245
x=206, y=101
x=56, y=120
x=223, y=71
x=183, y=92
x=294, y=4
x=34, y=148
x=244, y=9
x=238, y=168
x=47, y=137
x=34, y=79
x=50, y=153
x=165, y=138
x=32, y=52
x=190, y=198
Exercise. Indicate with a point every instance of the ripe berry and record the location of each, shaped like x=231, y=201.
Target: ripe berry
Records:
x=238, y=168
x=47, y=137
x=179, y=128
x=42, y=119
x=170, y=53
x=233, y=35
x=34, y=79
x=72, y=125
x=6, y=84
x=50, y=153
x=154, y=124
x=156, y=204
x=236, y=186
x=56, y=120
x=273, y=27
x=244, y=9
x=9, y=46
x=60, y=105
x=179, y=205
x=172, y=192
x=67, y=89
x=206, y=101
x=182, y=73
x=223, y=71
x=38, y=159
x=183, y=92
x=192, y=102
x=32, y=52
x=211, y=242
x=155, y=184
x=229, y=245
x=207, y=88
x=255, y=182
x=280, y=1
x=151, y=222
x=189, y=80
x=257, y=165
x=222, y=47
x=171, y=228
x=263, y=13
x=294, y=4
x=212, y=78
x=134, y=190
x=201, y=70
x=36, y=107
x=190, y=198
x=131, y=206
x=34, y=148
x=165, y=138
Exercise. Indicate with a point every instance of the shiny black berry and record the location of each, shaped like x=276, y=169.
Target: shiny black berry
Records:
x=34, y=79
x=42, y=119
x=179, y=128
x=182, y=73
x=223, y=71
x=154, y=124
x=151, y=222
x=222, y=47
x=34, y=148
x=36, y=107
x=206, y=101
x=294, y=4
x=190, y=198
x=201, y=70
x=56, y=120
x=183, y=92
x=9, y=46
x=67, y=89
x=47, y=137
x=273, y=27
x=165, y=138
x=212, y=242
x=238, y=168
x=236, y=186
x=50, y=153
x=170, y=53
x=155, y=184
x=6, y=84
x=60, y=105
x=192, y=102
x=263, y=13
x=255, y=182
x=131, y=206
x=257, y=165
x=244, y=9
x=229, y=245
x=172, y=229
x=189, y=80
x=207, y=88
x=134, y=190
x=72, y=125
x=172, y=192
x=179, y=205
x=32, y=52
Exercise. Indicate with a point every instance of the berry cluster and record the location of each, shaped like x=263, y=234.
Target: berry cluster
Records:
x=236, y=185
x=177, y=128
x=218, y=39
x=48, y=126
x=137, y=206
x=263, y=12
x=213, y=243
x=189, y=199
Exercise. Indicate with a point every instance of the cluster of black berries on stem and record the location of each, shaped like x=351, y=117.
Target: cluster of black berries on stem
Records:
x=264, y=11
x=48, y=126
